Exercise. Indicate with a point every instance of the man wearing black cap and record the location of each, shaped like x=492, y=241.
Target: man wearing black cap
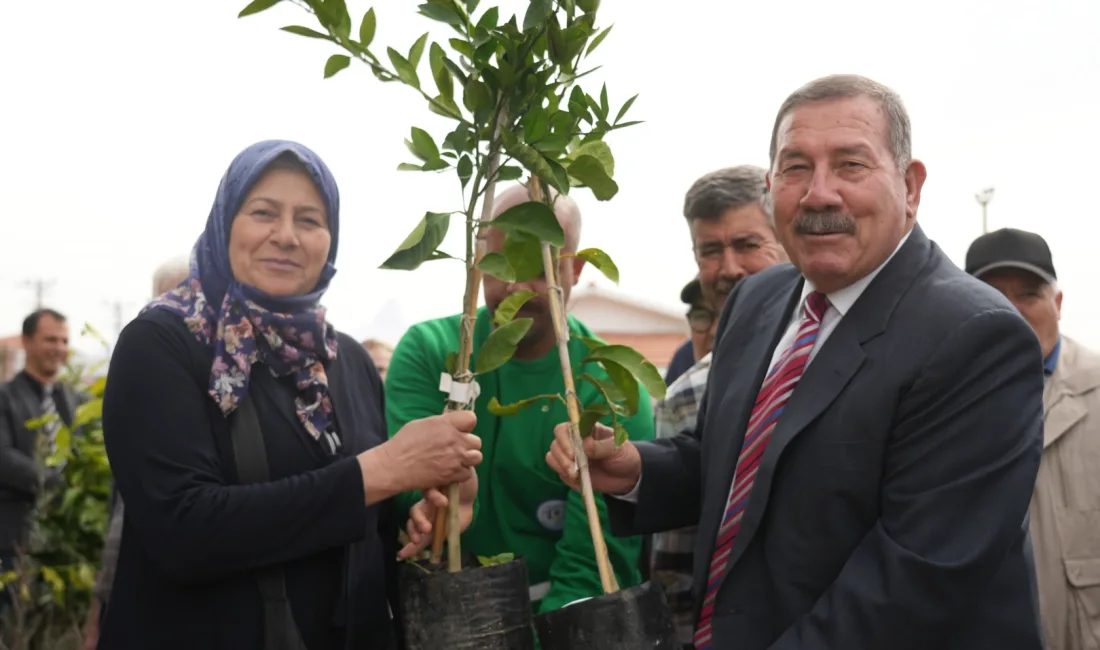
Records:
x=672, y=556
x=1065, y=507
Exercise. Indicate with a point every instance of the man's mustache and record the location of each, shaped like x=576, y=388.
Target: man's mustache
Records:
x=825, y=223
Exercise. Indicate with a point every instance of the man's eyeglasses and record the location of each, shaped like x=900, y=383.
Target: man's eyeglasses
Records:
x=701, y=319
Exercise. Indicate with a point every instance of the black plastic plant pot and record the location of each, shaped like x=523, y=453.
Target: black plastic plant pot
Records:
x=636, y=618
x=478, y=608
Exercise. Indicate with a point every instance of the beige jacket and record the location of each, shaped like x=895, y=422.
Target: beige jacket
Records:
x=1065, y=508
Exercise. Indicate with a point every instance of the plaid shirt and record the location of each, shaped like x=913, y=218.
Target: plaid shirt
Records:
x=672, y=551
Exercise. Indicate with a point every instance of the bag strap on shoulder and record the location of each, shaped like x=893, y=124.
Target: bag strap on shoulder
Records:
x=280, y=631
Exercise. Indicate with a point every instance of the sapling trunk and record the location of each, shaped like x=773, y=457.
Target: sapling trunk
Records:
x=561, y=331
x=448, y=522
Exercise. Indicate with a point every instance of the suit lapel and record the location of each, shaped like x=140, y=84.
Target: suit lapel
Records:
x=834, y=365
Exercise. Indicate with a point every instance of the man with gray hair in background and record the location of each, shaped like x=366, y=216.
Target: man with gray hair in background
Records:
x=166, y=277
x=732, y=237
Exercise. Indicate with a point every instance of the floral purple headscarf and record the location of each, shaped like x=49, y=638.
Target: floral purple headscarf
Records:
x=245, y=325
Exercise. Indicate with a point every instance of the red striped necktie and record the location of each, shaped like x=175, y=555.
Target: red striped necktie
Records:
x=770, y=401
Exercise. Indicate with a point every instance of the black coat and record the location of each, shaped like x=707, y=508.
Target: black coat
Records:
x=193, y=536
x=22, y=475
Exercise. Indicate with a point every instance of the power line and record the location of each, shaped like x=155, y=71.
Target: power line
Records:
x=40, y=286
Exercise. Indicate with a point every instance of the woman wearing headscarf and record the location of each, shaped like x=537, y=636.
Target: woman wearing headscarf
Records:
x=248, y=440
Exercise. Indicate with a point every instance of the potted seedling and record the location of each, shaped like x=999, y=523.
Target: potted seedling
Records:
x=511, y=89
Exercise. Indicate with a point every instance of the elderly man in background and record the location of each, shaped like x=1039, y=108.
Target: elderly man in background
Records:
x=167, y=276
x=380, y=353
x=733, y=237
x=1065, y=507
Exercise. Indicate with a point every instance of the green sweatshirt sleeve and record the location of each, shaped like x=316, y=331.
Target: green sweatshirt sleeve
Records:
x=412, y=393
x=573, y=573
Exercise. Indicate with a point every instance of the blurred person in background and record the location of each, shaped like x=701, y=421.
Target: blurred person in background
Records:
x=732, y=235
x=1065, y=507
x=34, y=392
x=380, y=353
x=248, y=440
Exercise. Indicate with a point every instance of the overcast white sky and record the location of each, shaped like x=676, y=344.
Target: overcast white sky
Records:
x=120, y=117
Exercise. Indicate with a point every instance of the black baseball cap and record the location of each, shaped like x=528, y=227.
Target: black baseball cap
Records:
x=1012, y=249
x=692, y=293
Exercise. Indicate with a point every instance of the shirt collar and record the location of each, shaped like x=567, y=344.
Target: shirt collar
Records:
x=1051, y=362
x=843, y=299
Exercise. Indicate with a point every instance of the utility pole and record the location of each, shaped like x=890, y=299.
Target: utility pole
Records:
x=983, y=198
x=118, y=307
x=40, y=287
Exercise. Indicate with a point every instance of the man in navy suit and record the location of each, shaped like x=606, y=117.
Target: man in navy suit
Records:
x=872, y=425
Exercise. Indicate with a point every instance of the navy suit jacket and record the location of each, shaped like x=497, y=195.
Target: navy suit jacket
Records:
x=889, y=509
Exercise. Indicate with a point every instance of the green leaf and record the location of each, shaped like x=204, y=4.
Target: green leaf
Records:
x=508, y=307
x=417, y=51
x=435, y=165
x=465, y=169
x=489, y=19
x=409, y=167
x=501, y=345
x=532, y=160
x=626, y=124
x=626, y=107
x=604, y=106
x=611, y=393
x=451, y=363
x=621, y=434
x=442, y=13
x=590, y=172
x=537, y=13
x=457, y=71
x=97, y=387
x=634, y=363
x=503, y=558
x=599, y=39
x=88, y=412
x=524, y=255
x=367, y=28
x=420, y=246
x=602, y=262
x=256, y=6
x=405, y=71
x=537, y=219
x=477, y=96
x=462, y=47
x=626, y=384
x=590, y=416
x=305, y=31
x=509, y=173
x=336, y=63
x=422, y=146
x=589, y=342
x=497, y=265
x=599, y=150
x=496, y=408
x=440, y=73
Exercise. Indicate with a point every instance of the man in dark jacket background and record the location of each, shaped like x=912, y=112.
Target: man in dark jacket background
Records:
x=33, y=393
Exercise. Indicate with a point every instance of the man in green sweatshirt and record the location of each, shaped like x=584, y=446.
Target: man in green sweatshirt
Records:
x=523, y=507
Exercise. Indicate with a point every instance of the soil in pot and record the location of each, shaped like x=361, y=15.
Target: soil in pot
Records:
x=636, y=618
x=478, y=608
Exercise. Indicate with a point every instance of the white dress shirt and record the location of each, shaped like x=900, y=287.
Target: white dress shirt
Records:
x=840, y=302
